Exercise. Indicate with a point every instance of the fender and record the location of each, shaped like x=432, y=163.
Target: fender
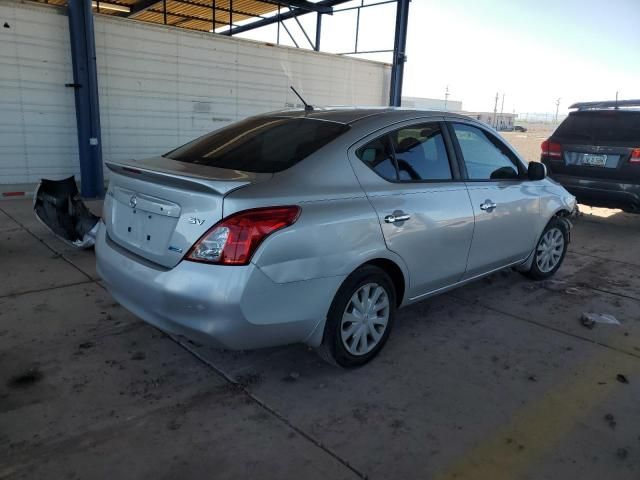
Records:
x=526, y=265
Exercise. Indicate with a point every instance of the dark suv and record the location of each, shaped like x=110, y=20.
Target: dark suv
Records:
x=595, y=154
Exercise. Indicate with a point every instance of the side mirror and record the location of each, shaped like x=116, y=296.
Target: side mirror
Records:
x=536, y=171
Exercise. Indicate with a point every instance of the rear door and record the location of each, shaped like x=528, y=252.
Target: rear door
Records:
x=506, y=205
x=421, y=202
x=598, y=145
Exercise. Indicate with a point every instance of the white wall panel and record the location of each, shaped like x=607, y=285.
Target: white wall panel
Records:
x=159, y=87
x=37, y=112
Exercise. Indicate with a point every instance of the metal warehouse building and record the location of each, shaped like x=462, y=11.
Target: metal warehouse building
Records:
x=82, y=81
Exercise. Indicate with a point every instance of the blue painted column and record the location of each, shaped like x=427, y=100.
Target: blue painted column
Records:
x=85, y=78
x=399, y=55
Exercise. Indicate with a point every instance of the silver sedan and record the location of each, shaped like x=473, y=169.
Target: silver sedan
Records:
x=316, y=226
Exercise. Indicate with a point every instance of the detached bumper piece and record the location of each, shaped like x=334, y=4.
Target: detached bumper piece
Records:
x=58, y=206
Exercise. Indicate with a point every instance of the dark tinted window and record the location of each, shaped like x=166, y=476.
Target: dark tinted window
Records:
x=262, y=145
x=485, y=157
x=605, y=126
x=420, y=153
x=377, y=154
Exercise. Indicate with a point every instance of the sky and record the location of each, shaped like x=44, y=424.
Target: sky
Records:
x=533, y=52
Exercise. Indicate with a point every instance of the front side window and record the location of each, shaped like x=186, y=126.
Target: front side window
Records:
x=421, y=153
x=261, y=144
x=485, y=157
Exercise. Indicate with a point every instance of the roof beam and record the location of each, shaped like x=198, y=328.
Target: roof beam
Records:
x=284, y=16
x=148, y=5
x=184, y=17
x=303, y=4
x=142, y=6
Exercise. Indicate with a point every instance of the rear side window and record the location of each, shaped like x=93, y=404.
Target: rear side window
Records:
x=485, y=157
x=260, y=145
x=415, y=153
x=420, y=153
x=601, y=126
x=377, y=155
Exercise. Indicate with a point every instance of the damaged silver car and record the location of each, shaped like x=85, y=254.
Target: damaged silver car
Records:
x=315, y=226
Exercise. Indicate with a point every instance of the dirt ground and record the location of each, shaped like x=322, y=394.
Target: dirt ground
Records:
x=495, y=380
x=528, y=143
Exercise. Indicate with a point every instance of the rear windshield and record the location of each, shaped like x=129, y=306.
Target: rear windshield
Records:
x=604, y=126
x=260, y=145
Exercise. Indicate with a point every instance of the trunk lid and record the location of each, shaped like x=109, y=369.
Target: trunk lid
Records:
x=158, y=208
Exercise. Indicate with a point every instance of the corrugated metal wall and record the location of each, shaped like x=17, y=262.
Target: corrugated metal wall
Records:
x=37, y=113
x=159, y=87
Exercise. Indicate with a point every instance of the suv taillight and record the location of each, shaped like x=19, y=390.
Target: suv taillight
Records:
x=552, y=150
x=635, y=156
x=234, y=240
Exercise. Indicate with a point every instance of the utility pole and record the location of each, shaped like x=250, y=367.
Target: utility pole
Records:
x=446, y=97
x=502, y=108
x=616, y=99
x=557, y=108
x=495, y=111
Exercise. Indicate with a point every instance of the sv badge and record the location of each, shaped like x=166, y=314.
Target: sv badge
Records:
x=195, y=221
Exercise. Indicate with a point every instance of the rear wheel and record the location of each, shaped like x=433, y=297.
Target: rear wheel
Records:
x=550, y=250
x=360, y=318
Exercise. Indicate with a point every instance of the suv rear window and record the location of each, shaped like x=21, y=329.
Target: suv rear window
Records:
x=601, y=126
x=260, y=145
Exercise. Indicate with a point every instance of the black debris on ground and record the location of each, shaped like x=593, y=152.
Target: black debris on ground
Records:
x=26, y=379
x=622, y=378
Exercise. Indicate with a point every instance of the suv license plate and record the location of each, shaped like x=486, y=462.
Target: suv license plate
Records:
x=594, y=160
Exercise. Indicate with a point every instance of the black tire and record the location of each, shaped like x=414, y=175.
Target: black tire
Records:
x=535, y=272
x=332, y=348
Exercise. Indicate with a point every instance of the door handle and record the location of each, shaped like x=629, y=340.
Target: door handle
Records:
x=488, y=206
x=397, y=217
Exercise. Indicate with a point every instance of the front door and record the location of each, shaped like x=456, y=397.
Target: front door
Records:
x=422, y=204
x=506, y=205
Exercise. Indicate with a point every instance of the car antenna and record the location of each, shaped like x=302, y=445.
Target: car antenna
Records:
x=307, y=107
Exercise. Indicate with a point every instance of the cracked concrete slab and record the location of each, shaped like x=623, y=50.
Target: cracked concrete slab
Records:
x=7, y=223
x=28, y=265
x=89, y=391
x=453, y=378
x=495, y=380
x=22, y=211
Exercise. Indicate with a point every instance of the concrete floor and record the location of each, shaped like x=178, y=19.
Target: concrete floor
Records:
x=496, y=380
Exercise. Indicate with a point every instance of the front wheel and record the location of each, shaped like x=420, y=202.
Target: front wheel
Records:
x=359, y=319
x=550, y=250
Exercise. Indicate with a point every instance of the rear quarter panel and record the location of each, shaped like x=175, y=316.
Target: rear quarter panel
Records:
x=338, y=229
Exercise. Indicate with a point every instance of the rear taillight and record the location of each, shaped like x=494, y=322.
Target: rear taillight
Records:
x=234, y=239
x=552, y=150
x=635, y=156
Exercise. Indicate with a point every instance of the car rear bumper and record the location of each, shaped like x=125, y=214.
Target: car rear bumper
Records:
x=602, y=192
x=236, y=307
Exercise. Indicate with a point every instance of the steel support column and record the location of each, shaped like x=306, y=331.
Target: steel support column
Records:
x=399, y=56
x=316, y=47
x=85, y=78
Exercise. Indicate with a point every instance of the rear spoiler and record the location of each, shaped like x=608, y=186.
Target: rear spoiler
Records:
x=182, y=180
x=615, y=104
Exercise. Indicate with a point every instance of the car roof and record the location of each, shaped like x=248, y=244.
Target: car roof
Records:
x=350, y=115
